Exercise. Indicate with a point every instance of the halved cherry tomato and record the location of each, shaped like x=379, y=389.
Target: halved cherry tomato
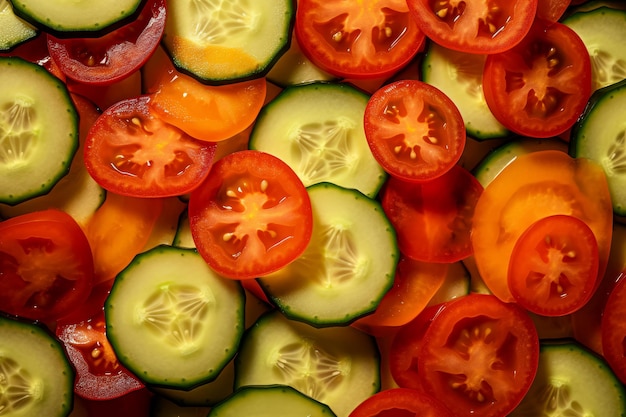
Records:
x=99, y=374
x=613, y=330
x=46, y=266
x=414, y=130
x=401, y=402
x=433, y=219
x=554, y=266
x=479, y=356
x=474, y=26
x=131, y=151
x=252, y=216
x=540, y=87
x=534, y=186
x=114, y=56
x=357, y=39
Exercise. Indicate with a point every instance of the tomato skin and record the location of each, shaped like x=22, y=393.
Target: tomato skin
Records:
x=114, y=56
x=554, y=266
x=46, y=266
x=433, y=218
x=401, y=402
x=478, y=27
x=414, y=130
x=552, y=10
x=540, y=87
x=252, y=216
x=366, y=39
x=131, y=151
x=613, y=330
x=479, y=355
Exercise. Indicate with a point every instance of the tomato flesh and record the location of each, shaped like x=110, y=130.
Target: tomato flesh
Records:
x=401, y=402
x=613, y=330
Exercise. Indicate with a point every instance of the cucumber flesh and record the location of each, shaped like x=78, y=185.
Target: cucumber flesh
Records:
x=13, y=30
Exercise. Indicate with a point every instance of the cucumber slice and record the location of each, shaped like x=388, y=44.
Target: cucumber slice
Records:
x=13, y=30
x=38, y=130
x=270, y=401
x=348, y=265
x=172, y=321
x=227, y=41
x=317, y=129
x=460, y=76
x=600, y=135
x=600, y=30
x=36, y=378
x=572, y=381
x=76, y=18
x=337, y=366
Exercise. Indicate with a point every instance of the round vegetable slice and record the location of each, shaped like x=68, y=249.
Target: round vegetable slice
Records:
x=614, y=330
x=401, y=401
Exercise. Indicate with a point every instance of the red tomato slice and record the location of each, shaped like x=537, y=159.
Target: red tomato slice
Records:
x=131, y=151
x=479, y=356
x=474, y=26
x=99, y=374
x=552, y=10
x=414, y=130
x=433, y=219
x=114, y=56
x=399, y=402
x=614, y=330
x=252, y=216
x=357, y=39
x=540, y=87
x=36, y=51
x=554, y=266
x=46, y=266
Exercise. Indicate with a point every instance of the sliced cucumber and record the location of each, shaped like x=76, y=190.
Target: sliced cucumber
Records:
x=71, y=18
x=572, y=381
x=460, y=76
x=172, y=321
x=317, y=129
x=601, y=30
x=337, y=366
x=498, y=159
x=227, y=41
x=38, y=130
x=183, y=237
x=600, y=135
x=36, y=378
x=13, y=30
x=347, y=267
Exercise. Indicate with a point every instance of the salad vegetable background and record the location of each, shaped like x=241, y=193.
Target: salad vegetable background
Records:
x=347, y=208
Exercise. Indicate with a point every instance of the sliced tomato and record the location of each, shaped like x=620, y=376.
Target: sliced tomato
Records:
x=613, y=330
x=479, y=356
x=252, y=216
x=401, y=402
x=36, y=51
x=414, y=285
x=105, y=96
x=46, y=266
x=99, y=374
x=474, y=26
x=357, y=39
x=114, y=56
x=540, y=87
x=554, y=266
x=433, y=219
x=131, y=151
x=414, y=130
x=552, y=10
x=532, y=187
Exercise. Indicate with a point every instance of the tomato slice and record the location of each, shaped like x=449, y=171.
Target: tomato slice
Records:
x=479, y=355
x=554, y=266
x=474, y=26
x=534, y=186
x=131, y=151
x=552, y=10
x=540, y=87
x=401, y=402
x=414, y=130
x=114, y=56
x=252, y=216
x=613, y=330
x=433, y=219
x=99, y=374
x=46, y=266
x=357, y=39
